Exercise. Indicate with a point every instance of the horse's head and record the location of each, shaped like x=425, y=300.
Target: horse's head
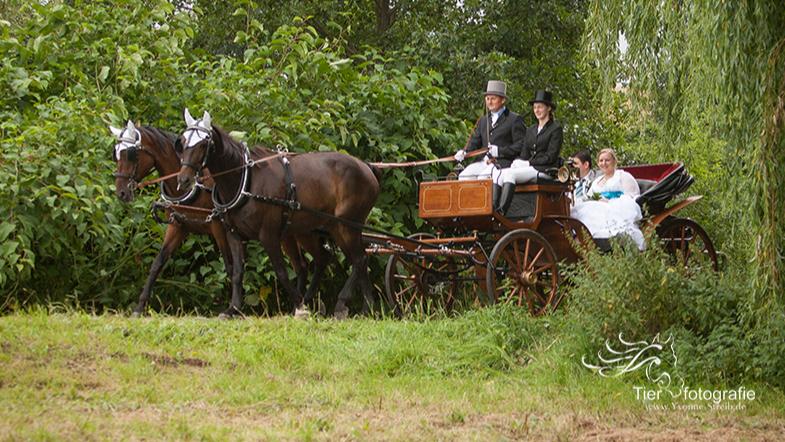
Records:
x=132, y=163
x=195, y=142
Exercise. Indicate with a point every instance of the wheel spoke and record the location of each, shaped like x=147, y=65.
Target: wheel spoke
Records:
x=404, y=277
x=545, y=267
x=526, y=254
x=537, y=257
x=683, y=238
x=517, y=254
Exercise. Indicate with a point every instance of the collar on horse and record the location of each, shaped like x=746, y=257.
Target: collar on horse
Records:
x=289, y=202
x=242, y=192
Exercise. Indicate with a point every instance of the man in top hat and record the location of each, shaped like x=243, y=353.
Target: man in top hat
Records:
x=501, y=131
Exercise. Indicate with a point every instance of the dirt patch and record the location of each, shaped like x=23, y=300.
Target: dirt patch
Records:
x=120, y=356
x=169, y=361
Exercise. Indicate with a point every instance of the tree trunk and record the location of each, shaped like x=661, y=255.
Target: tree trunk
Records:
x=385, y=15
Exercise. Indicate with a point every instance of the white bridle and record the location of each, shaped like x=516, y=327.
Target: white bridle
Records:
x=197, y=130
x=127, y=137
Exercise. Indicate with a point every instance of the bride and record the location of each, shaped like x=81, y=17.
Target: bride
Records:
x=610, y=208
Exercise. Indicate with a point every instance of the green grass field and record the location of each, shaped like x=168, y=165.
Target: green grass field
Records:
x=485, y=375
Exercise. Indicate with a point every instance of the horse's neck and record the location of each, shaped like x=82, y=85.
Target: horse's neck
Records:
x=230, y=156
x=166, y=161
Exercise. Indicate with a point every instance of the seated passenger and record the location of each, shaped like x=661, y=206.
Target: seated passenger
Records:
x=611, y=208
x=501, y=130
x=540, y=152
x=581, y=161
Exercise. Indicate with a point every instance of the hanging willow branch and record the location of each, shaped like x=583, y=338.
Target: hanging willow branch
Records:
x=769, y=182
x=717, y=65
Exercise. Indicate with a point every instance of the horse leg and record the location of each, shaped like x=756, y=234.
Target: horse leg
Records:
x=292, y=249
x=218, y=233
x=237, y=248
x=350, y=241
x=273, y=247
x=313, y=245
x=173, y=238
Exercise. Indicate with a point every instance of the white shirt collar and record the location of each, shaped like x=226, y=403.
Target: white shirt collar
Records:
x=495, y=115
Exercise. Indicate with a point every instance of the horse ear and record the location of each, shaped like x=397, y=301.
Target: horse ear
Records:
x=206, y=119
x=178, y=145
x=189, y=120
x=115, y=131
x=130, y=127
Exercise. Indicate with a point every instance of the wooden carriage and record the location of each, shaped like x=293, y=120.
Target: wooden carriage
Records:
x=516, y=258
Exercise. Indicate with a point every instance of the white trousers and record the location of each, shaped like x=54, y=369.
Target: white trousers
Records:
x=480, y=171
x=519, y=172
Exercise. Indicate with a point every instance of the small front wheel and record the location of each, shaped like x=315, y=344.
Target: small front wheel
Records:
x=420, y=283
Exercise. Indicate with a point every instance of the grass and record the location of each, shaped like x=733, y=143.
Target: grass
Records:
x=491, y=374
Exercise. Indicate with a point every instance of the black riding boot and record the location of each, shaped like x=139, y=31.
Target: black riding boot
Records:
x=506, y=198
x=497, y=194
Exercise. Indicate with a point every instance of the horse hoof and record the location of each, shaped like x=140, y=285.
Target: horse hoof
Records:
x=136, y=314
x=302, y=313
x=230, y=313
x=342, y=314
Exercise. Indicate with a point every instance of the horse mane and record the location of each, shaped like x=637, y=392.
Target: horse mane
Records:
x=237, y=147
x=159, y=137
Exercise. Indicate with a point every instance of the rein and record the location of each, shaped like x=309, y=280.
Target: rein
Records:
x=449, y=158
x=250, y=164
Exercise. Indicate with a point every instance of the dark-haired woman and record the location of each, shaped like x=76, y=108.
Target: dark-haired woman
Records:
x=540, y=152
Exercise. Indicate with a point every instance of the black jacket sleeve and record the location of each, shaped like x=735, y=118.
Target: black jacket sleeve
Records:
x=518, y=135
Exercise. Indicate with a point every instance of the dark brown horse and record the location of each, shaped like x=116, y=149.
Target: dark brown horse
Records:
x=328, y=185
x=141, y=150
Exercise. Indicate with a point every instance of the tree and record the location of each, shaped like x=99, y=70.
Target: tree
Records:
x=721, y=62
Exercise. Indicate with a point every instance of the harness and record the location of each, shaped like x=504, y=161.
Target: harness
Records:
x=132, y=145
x=192, y=130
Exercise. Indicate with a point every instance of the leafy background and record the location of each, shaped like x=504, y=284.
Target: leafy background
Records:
x=393, y=81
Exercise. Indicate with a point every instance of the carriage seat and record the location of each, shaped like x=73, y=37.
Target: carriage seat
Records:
x=645, y=185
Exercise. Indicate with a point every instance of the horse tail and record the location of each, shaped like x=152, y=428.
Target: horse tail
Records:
x=376, y=172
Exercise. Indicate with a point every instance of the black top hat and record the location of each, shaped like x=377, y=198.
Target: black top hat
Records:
x=543, y=97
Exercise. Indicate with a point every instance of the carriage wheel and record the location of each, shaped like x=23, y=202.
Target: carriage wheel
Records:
x=687, y=242
x=420, y=283
x=522, y=270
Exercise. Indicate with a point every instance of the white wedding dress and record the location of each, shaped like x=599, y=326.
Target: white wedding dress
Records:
x=616, y=213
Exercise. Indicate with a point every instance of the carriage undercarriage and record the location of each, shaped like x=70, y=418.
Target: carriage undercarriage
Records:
x=516, y=260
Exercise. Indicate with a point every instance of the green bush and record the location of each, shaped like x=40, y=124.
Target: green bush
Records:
x=71, y=70
x=641, y=295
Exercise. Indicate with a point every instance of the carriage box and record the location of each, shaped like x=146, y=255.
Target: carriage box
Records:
x=448, y=199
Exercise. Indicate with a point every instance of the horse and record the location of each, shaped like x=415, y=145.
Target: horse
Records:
x=139, y=151
x=335, y=193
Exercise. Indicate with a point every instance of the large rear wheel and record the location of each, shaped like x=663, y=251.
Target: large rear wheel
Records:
x=688, y=244
x=522, y=270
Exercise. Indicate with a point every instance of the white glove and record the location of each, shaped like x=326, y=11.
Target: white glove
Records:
x=460, y=155
x=493, y=150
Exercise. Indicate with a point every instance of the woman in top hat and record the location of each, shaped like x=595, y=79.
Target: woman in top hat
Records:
x=500, y=130
x=540, y=152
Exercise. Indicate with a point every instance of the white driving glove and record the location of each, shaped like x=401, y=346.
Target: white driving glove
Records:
x=493, y=150
x=460, y=155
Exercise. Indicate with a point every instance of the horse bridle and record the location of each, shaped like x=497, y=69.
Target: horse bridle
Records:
x=132, y=146
x=191, y=131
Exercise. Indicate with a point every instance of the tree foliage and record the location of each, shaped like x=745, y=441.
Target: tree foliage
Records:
x=715, y=66
x=71, y=70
